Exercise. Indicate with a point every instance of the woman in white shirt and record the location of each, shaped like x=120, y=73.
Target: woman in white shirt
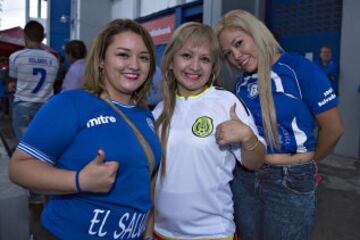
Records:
x=204, y=130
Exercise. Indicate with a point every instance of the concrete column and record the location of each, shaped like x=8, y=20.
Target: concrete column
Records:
x=27, y=10
x=214, y=9
x=349, y=80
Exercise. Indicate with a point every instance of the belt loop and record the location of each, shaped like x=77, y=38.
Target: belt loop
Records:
x=285, y=173
x=285, y=170
x=316, y=166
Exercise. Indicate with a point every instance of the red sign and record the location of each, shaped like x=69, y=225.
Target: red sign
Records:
x=161, y=29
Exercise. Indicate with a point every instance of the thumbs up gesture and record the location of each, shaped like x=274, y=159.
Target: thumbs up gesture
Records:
x=233, y=115
x=233, y=130
x=98, y=176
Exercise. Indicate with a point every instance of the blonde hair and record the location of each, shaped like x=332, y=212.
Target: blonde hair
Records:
x=268, y=48
x=199, y=34
x=94, y=81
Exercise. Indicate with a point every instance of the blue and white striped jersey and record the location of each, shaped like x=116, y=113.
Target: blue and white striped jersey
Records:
x=300, y=91
x=35, y=71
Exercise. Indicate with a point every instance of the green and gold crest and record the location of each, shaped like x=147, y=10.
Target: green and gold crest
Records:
x=203, y=126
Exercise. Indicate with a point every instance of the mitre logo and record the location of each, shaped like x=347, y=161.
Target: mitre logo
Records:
x=100, y=120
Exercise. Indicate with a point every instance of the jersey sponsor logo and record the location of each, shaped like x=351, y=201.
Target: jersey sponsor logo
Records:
x=130, y=225
x=100, y=120
x=253, y=90
x=329, y=96
x=203, y=126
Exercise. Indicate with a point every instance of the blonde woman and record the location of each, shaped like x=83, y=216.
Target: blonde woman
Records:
x=81, y=151
x=204, y=131
x=287, y=95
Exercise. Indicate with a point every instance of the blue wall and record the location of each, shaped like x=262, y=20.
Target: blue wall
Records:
x=304, y=26
x=59, y=32
x=312, y=43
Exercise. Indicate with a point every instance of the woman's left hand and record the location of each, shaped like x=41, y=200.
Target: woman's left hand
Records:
x=233, y=130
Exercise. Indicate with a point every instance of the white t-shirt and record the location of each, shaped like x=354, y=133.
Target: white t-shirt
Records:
x=194, y=199
x=35, y=71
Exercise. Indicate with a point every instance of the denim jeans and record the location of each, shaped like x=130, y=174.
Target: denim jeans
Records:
x=23, y=113
x=275, y=202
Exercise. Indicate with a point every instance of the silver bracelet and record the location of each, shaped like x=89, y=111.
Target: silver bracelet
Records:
x=251, y=148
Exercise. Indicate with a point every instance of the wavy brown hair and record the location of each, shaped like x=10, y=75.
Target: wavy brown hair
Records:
x=268, y=49
x=199, y=34
x=94, y=81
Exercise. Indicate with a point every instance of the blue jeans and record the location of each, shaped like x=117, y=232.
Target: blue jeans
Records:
x=275, y=202
x=22, y=114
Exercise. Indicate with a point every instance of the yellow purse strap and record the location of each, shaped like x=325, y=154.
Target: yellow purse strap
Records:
x=144, y=144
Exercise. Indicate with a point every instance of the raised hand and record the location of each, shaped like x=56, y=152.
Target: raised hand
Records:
x=98, y=176
x=233, y=130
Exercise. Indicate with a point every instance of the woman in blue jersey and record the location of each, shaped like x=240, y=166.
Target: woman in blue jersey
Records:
x=82, y=151
x=204, y=130
x=288, y=96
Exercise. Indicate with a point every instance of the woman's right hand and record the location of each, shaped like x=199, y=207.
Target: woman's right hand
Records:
x=98, y=176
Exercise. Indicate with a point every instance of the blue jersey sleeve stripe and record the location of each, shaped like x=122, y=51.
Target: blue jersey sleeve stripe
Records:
x=34, y=153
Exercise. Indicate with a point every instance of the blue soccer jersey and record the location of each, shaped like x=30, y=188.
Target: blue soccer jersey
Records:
x=67, y=133
x=300, y=91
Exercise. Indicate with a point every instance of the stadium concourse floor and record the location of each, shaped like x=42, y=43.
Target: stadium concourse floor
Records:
x=338, y=198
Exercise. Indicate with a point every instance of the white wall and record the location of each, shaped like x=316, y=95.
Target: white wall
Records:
x=89, y=17
x=125, y=9
x=349, y=81
x=150, y=6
